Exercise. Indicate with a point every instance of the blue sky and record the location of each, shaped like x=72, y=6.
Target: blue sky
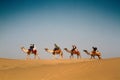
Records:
x=85, y=23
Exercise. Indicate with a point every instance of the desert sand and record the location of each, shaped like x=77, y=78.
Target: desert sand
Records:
x=66, y=69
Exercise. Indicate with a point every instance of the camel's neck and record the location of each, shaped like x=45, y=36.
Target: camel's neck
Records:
x=68, y=51
x=49, y=51
x=24, y=50
x=87, y=53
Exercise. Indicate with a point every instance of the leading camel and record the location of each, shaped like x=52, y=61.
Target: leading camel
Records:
x=30, y=52
x=73, y=52
x=55, y=52
x=93, y=54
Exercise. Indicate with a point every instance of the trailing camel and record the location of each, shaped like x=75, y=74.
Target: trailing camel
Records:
x=93, y=54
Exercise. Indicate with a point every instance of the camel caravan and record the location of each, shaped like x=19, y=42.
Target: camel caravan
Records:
x=58, y=51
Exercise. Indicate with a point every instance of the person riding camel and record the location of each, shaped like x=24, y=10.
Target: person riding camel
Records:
x=74, y=48
x=56, y=48
x=31, y=47
x=94, y=49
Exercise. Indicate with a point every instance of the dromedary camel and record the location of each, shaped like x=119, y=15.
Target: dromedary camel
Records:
x=28, y=53
x=73, y=52
x=54, y=53
x=93, y=54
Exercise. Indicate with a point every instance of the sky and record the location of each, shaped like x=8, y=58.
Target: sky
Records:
x=84, y=23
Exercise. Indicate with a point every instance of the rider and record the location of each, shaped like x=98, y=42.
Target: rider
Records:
x=94, y=49
x=31, y=47
x=56, y=48
x=74, y=48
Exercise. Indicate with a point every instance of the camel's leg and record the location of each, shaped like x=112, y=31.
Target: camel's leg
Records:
x=78, y=56
x=38, y=56
x=99, y=57
x=61, y=56
x=27, y=57
x=35, y=56
x=54, y=56
x=70, y=56
x=91, y=57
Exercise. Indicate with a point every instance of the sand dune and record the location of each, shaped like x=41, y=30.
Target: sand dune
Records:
x=81, y=69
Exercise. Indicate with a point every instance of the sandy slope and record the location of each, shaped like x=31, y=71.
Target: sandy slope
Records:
x=82, y=69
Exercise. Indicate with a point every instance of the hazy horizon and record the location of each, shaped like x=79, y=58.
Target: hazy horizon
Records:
x=85, y=23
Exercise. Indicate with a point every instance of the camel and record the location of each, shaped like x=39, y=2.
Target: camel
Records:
x=73, y=52
x=93, y=54
x=28, y=53
x=54, y=53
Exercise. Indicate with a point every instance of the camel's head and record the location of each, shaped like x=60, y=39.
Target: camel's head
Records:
x=85, y=50
x=65, y=48
x=22, y=47
x=46, y=49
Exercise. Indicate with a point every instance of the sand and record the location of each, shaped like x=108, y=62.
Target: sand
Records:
x=81, y=69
